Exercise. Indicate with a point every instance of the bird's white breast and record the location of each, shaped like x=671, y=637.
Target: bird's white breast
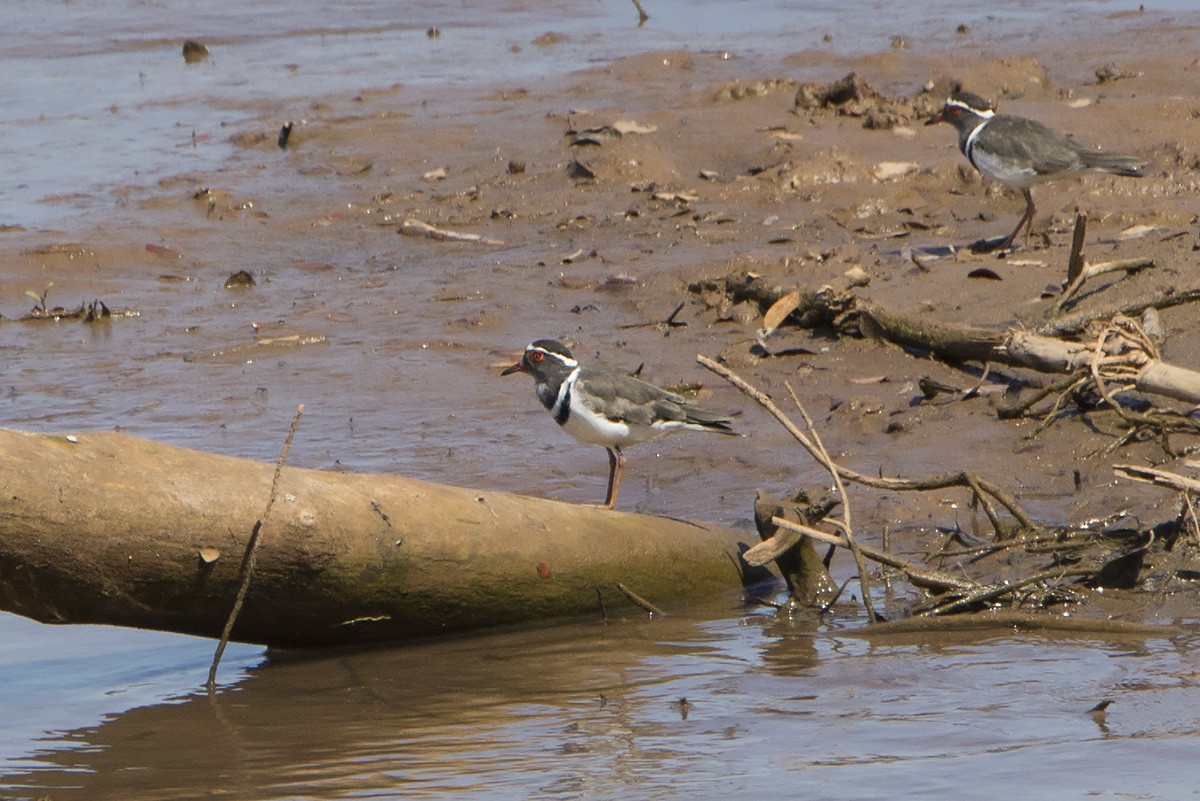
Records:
x=589, y=427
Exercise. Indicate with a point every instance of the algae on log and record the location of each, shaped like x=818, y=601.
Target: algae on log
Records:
x=109, y=528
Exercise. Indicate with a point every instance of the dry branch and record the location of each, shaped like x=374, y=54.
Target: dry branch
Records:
x=965, y=479
x=251, y=555
x=1013, y=621
x=1163, y=298
x=415, y=227
x=1031, y=350
x=1160, y=478
x=932, y=580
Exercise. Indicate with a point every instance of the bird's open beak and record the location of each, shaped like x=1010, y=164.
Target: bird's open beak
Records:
x=512, y=368
x=935, y=119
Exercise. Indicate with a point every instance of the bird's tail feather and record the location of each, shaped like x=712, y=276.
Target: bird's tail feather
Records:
x=1117, y=165
x=710, y=421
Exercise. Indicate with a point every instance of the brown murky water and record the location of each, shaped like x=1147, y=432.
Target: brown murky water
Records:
x=144, y=182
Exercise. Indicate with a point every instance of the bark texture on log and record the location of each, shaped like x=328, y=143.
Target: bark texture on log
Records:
x=108, y=528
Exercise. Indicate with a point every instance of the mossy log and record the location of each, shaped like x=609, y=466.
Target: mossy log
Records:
x=109, y=528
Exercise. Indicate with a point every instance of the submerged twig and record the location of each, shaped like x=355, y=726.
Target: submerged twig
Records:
x=640, y=601
x=251, y=553
x=932, y=580
x=847, y=528
x=992, y=592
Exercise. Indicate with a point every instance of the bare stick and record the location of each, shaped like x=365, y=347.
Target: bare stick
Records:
x=1021, y=621
x=1160, y=298
x=642, y=15
x=847, y=529
x=1162, y=478
x=959, y=479
x=640, y=601
x=1075, y=262
x=251, y=554
x=932, y=580
x=993, y=591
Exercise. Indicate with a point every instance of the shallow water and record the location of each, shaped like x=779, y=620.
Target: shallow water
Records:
x=681, y=707
x=99, y=106
x=98, y=94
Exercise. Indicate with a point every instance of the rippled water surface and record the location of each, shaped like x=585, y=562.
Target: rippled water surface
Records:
x=681, y=707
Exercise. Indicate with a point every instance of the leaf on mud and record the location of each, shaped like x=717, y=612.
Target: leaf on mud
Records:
x=242, y=279
x=596, y=136
x=208, y=555
x=579, y=171
x=629, y=126
x=676, y=197
x=1136, y=231
x=985, y=272
x=165, y=252
x=780, y=310
x=887, y=170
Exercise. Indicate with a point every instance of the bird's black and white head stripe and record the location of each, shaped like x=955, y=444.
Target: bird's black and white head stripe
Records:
x=561, y=406
x=555, y=370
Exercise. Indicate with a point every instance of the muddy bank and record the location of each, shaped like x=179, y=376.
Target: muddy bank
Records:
x=600, y=201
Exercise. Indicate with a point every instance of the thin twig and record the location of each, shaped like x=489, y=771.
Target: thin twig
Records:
x=640, y=601
x=1075, y=261
x=994, y=591
x=251, y=554
x=989, y=510
x=924, y=578
x=847, y=529
x=959, y=479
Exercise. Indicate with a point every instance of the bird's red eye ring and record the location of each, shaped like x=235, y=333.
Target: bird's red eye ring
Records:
x=536, y=356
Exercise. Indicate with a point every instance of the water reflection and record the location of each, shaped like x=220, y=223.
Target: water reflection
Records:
x=728, y=701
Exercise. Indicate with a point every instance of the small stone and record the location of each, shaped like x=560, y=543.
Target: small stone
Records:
x=194, y=51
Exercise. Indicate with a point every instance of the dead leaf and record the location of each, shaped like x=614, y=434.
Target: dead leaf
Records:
x=415, y=227
x=579, y=171
x=780, y=310
x=165, y=252
x=208, y=554
x=887, y=170
x=242, y=279
x=1136, y=231
x=985, y=272
x=629, y=126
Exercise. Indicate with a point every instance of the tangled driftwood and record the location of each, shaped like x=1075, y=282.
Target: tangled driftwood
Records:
x=1118, y=357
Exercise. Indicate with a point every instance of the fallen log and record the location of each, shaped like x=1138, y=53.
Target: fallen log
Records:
x=109, y=528
x=1018, y=348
